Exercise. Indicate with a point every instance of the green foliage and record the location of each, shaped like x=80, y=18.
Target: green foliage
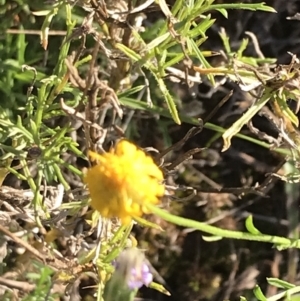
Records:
x=33, y=95
x=42, y=279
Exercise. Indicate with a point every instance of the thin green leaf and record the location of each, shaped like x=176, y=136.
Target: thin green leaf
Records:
x=192, y=45
x=287, y=111
x=223, y=12
x=242, y=47
x=237, y=126
x=259, y=294
x=169, y=99
x=129, y=52
x=34, y=130
x=246, y=6
x=23, y=130
x=160, y=288
x=131, y=91
x=46, y=25
x=211, y=238
x=250, y=226
x=225, y=39
x=158, y=41
x=280, y=283
x=147, y=224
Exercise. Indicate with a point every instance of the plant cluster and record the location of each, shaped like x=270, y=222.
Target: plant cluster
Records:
x=67, y=115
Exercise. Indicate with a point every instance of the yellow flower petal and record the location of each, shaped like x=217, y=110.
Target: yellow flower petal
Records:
x=123, y=181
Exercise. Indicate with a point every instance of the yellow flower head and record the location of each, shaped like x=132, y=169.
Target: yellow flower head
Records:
x=123, y=181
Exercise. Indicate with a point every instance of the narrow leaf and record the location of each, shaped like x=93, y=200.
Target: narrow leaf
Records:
x=160, y=288
x=211, y=238
x=259, y=294
x=250, y=226
x=223, y=12
x=280, y=283
x=147, y=224
x=237, y=126
x=287, y=111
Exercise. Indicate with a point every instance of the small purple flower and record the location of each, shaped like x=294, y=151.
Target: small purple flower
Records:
x=132, y=267
x=139, y=277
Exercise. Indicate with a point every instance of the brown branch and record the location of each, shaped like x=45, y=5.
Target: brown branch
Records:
x=184, y=157
x=22, y=243
x=20, y=285
x=36, y=32
x=191, y=133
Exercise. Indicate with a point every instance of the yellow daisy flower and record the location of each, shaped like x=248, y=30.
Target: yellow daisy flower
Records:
x=123, y=181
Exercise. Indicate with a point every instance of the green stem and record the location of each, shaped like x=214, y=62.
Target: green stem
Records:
x=40, y=110
x=37, y=199
x=139, y=105
x=184, y=222
x=289, y=292
x=61, y=177
x=253, y=7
